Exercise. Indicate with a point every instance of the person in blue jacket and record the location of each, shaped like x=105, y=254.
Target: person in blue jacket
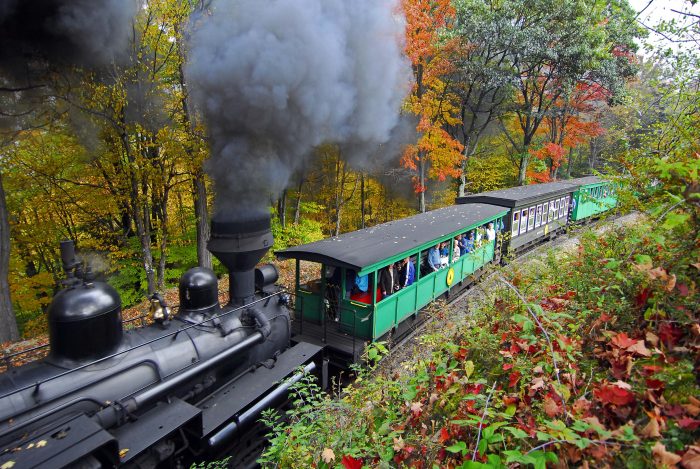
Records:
x=407, y=274
x=463, y=244
x=470, y=242
x=434, y=258
x=362, y=282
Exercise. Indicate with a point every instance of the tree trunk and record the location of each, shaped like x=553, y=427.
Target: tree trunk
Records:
x=297, y=208
x=421, y=182
x=282, y=208
x=568, y=163
x=201, y=214
x=163, y=239
x=362, y=199
x=8, y=323
x=140, y=213
x=144, y=233
x=522, y=171
x=524, y=160
x=199, y=187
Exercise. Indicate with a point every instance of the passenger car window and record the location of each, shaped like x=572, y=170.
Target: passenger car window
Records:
x=523, y=221
x=531, y=218
x=538, y=216
x=551, y=211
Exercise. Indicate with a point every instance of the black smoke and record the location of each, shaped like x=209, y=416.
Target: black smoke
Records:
x=41, y=43
x=276, y=78
x=85, y=33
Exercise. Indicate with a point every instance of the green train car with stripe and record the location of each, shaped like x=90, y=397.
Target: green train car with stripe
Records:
x=326, y=306
x=592, y=197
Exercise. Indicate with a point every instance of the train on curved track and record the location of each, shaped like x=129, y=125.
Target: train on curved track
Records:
x=192, y=385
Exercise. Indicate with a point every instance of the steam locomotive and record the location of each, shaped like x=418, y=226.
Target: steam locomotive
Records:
x=187, y=387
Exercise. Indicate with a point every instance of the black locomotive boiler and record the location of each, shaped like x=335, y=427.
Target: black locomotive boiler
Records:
x=185, y=388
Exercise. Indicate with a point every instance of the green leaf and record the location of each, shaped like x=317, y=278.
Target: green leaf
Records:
x=516, y=432
x=674, y=219
x=468, y=368
x=458, y=447
x=642, y=259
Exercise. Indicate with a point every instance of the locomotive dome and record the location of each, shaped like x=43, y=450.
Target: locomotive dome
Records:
x=85, y=322
x=198, y=290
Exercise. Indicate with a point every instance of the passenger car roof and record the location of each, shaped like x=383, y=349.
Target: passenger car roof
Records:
x=516, y=196
x=584, y=181
x=369, y=248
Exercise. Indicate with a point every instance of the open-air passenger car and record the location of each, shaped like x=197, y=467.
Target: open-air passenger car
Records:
x=593, y=197
x=330, y=310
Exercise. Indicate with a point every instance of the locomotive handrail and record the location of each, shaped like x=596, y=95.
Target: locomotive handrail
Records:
x=7, y=357
x=148, y=342
x=66, y=405
x=110, y=415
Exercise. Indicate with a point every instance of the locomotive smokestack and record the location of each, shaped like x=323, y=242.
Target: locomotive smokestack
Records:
x=239, y=246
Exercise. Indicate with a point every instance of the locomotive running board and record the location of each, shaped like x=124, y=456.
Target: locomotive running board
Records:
x=231, y=401
x=63, y=445
x=155, y=425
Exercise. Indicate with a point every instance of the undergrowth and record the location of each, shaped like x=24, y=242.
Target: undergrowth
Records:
x=586, y=358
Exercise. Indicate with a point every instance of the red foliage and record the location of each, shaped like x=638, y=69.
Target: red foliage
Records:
x=622, y=341
x=689, y=423
x=513, y=379
x=670, y=334
x=351, y=463
x=614, y=394
x=444, y=435
x=642, y=297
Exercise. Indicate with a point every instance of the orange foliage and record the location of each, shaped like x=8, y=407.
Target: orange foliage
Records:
x=574, y=124
x=431, y=99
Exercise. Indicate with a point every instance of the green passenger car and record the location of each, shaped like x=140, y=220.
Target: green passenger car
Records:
x=328, y=305
x=593, y=197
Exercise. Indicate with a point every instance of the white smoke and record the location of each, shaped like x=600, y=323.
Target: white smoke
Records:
x=276, y=78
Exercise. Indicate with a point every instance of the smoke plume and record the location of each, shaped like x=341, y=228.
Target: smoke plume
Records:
x=78, y=32
x=276, y=78
x=40, y=37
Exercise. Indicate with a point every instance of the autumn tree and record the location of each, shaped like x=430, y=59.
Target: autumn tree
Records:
x=481, y=77
x=573, y=120
x=144, y=156
x=586, y=43
x=437, y=154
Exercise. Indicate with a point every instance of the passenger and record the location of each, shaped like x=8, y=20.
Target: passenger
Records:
x=455, y=250
x=434, y=258
x=477, y=241
x=389, y=280
x=361, y=283
x=408, y=273
x=470, y=242
x=444, y=249
x=444, y=254
x=463, y=244
x=490, y=233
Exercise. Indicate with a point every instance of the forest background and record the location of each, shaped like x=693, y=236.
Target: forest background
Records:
x=506, y=92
